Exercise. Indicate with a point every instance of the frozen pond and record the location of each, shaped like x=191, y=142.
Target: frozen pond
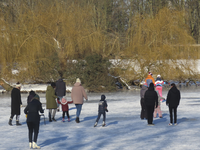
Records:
x=124, y=129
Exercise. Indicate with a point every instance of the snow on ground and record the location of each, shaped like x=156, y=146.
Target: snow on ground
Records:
x=124, y=129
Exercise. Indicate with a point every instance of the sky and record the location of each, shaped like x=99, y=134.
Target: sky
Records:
x=124, y=129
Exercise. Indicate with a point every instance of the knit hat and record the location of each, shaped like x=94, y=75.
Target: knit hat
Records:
x=18, y=85
x=150, y=73
x=78, y=80
x=158, y=76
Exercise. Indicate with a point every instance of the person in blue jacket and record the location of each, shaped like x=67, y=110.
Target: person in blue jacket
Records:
x=102, y=110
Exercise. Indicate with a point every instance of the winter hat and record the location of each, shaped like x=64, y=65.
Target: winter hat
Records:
x=53, y=84
x=63, y=101
x=150, y=73
x=103, y=97
x=18, y=85
x=158, y=76
x=32, y=93
x=78, y=80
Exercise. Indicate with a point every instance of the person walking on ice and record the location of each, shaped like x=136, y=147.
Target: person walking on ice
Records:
x=65, y=108
x=16, y=104
x=77, y=95
x=102, y=110
x=173, y=100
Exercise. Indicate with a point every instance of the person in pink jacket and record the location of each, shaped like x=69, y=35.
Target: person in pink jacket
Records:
x=78, y=94
x=65, y=108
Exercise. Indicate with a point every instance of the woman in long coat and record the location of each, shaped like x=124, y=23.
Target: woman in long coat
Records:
x=51, y=101
x=15, y=104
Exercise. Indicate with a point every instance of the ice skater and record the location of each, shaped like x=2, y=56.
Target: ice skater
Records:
x=102, y=110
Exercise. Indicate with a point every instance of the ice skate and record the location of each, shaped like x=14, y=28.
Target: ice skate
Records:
x=95, y=124
x=35, y=146
x=103, y=125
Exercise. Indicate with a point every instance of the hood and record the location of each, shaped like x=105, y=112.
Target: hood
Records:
x=49, y=88
x=144, y=87
x=174, y=90
x=60, y=80
x=77, y=84
x=103, y=97
x=151, y=87
x=32, y=93
x=63, y=101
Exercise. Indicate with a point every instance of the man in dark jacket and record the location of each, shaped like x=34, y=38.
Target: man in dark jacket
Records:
x=60, y=90
x=102, y=110
x=173, y=100
x=150, y=99
x=15, y=104
x=33, y=121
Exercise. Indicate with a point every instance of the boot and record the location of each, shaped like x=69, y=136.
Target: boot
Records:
x=63, y=120
x=54, y=119
x=17, y=123
x=30, y=144
x=77, y=120
x=95, y=124
x=103, y=125
x=10, y=122
x=35, y=146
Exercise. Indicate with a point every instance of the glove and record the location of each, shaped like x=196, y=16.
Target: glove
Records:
x=106, y=110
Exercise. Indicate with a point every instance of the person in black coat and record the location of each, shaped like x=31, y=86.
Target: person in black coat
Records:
x=173, y=100
x=33, y=120
x=60, y=90
x=102, y=110
x=15, y=104
x=151, y=100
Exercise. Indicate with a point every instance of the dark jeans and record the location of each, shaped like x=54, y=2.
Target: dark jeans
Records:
x=99, y=115
x=150, y=110
x=33, y=127
x=171, y=111
x=67, y=113
x=143, y=113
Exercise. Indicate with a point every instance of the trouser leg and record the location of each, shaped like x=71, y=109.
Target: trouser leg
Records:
x=30, y=129
x=36, y=131
x=67, y=112
x=171, y=115
x=99, y=115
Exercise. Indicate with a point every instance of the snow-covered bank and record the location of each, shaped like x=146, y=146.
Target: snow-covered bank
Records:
x=124, y=130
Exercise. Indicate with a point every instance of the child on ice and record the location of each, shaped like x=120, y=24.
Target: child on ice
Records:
x=102, y=110
x=65, y=108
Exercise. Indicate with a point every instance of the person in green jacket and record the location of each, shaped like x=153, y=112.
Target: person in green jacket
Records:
x=51, y=101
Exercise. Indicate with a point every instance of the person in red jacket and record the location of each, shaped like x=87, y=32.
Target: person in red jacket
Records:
x=65, y=108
